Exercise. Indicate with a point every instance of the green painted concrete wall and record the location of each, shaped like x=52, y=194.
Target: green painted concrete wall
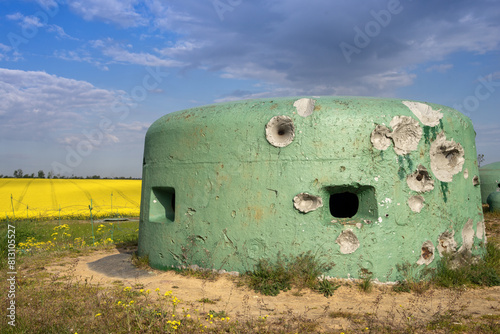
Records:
x=489, y=176
x=227, y=184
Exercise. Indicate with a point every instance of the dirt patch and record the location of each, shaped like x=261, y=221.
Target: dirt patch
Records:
x=348, y=305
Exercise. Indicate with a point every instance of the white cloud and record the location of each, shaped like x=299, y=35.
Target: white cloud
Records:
x=135, y=126
x=15, y=17
x=121, y=12
x=4, y=51
x=38, y=105
x=26, y=21
x=180, y=48
x=118, y=53
x=441, y=68
x=59, y=31
x=79, y=56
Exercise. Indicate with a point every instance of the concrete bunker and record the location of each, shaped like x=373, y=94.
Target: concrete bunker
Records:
x=490, y=180
x=228, y=184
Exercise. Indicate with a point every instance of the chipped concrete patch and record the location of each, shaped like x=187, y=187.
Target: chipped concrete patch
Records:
x=467, y=237
x=447, y=158
x=420, y=181
x=280, y=131
x=406, y=134
x=466, y=173
x=348, y=242
x=305, y=107
x=416, y=203
x=427, y=253
x=305, y=202
x=446, y=243
x=475, y=181
x=480, y=230
x=380, y=137
x=424, y=112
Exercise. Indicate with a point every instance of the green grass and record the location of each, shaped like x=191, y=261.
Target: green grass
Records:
x=301, y=271
x=70, y=236
x=481, y=272
x=366, y=276
x=62, y=303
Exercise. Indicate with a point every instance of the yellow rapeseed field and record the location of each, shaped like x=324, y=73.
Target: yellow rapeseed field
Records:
x=68, y=198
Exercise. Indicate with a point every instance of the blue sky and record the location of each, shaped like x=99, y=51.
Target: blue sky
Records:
x=81, y=81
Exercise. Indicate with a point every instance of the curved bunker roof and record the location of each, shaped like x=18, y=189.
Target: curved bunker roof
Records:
x=360, y=182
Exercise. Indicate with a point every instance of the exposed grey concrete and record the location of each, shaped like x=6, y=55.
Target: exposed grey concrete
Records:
x=424, y=112
x=427, y=253
x=380, y=137
x=447, y=158
x=348, y=242
x=467, y=237
x=305, y=107
x=406, y=134
x=416, y=203
x=305, y=202
x=280, y=131
x=446, y=243
x=420, y=181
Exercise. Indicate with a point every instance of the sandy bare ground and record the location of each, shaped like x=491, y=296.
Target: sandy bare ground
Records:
x=348, y=305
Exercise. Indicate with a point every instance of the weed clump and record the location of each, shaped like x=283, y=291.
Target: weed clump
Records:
x=484, y=271
x=301, y=271
x=413, y=278
x=366, y=276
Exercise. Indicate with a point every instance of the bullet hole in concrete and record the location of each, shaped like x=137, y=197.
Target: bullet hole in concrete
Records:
x=416, y=203
x=406, y=134
x=305, y=107
x=162, y=205
x=426, y=253
x=344, y=205
x=347, y=241
x=424, y=112
x=475, y=181
x=380, y=137
x=280, y=131
x=420, y=181
x=447, y=158
x=387, y=215
x=305, y=202
x=446, y=243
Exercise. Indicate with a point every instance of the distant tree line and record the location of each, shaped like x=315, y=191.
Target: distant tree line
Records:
x=18, y=173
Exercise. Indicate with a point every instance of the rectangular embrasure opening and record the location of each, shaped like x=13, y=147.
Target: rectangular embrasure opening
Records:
x=352, y=202
x=162, y=205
